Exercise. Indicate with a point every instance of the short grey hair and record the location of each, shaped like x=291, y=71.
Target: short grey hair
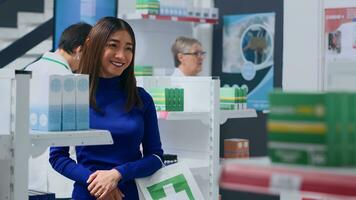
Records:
x=182, y=45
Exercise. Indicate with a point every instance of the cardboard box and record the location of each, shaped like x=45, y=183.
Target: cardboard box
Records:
x=236, y=148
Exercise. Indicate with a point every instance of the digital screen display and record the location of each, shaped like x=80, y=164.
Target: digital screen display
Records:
x=68, y=12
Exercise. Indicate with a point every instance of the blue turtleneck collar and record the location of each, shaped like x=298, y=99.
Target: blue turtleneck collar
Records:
x=114, y=82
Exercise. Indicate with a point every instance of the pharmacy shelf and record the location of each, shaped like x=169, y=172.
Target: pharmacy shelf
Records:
x=194, y=163
x=5, y=144
x=7, y=74
x=198, y=124
x=180, y=115
x=40, y=140
x=231, y=114
x=136, y=16
x=277, y=179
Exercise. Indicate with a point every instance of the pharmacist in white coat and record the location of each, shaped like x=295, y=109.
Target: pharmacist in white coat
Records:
x=188, y=56
x=63, y=61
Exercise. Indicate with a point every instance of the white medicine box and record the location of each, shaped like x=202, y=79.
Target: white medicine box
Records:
x=46, y=102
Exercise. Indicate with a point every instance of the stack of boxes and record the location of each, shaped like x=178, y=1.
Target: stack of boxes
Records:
x=143, y=70
x=175, y=7
x=233, y=98
x=168, y=99
x=59, y=103
x=236, y=148
x=313, y=128
x=184, y=8
x=147, y=6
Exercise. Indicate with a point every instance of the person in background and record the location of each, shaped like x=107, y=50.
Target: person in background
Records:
x=65, y=59
x=119, y=106
x=188, y=56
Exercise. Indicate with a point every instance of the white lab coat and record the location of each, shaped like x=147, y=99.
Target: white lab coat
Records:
x=177, y=72
x=50, y=63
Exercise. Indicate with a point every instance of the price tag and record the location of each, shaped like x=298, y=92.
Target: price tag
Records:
x=174, y=18
x=202, y=21
x=152, y=17
x=282, y=182
x=162, y=115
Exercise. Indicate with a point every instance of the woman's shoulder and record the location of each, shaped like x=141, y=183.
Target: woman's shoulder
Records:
x=145, y=96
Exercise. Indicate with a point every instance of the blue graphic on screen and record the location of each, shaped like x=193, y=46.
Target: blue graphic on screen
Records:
x=248, y=52
x=68, y=12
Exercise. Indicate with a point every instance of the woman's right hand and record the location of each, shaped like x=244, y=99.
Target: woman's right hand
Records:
x=115, y=194
x=102, y=182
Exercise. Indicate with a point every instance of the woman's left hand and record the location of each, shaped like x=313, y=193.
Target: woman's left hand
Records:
x=103, y=182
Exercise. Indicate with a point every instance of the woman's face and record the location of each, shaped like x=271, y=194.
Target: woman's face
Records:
x=118, y=54
x=193, y=62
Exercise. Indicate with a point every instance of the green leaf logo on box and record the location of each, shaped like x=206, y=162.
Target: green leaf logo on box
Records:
x=173, y=188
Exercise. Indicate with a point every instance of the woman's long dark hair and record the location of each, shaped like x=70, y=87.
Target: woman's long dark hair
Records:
x=90, y=62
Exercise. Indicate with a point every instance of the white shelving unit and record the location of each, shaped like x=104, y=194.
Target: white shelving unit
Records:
x=5, y=141
x=194, y=133
x=17, y=144
x=289, y=181
x=202, y=116
x=195, y=164
x=41, y=140
x=233, y=114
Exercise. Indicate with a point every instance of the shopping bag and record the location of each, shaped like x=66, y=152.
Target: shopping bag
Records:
x=173, y=182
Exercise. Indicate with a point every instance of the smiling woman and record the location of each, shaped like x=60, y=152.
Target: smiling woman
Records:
x=117, y=105
x=117, y=54
x=114, y=40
